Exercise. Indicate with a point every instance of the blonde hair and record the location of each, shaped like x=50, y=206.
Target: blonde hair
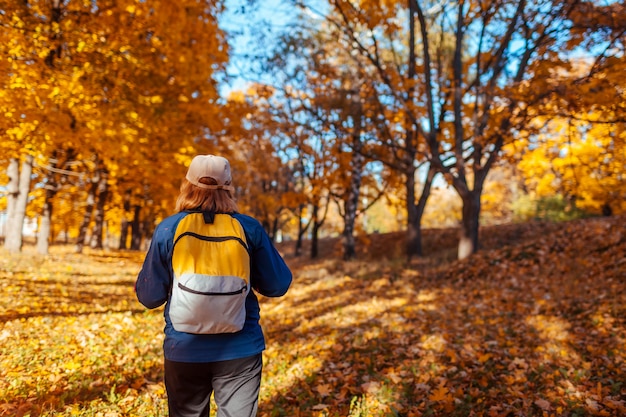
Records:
x=196, y=198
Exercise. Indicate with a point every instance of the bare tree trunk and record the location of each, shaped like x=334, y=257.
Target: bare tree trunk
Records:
x=135, y=239
x=301, y=231
x=315, y=233
x=416, y=212
x=18, y=189
x=298, y=247
x=43, y=235
x=124, y=223
x=349, y=242
x=356, y=178
x=91, y=201
x=413, y=232
x=351, y=207
x=274, y=229
x=13, y=190
x=102, y=192
x=51, y=187
x=468, y=240
x=414, y=217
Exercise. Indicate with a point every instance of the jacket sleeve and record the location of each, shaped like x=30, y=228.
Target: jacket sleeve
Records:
x=154, y=280
x=270, y=275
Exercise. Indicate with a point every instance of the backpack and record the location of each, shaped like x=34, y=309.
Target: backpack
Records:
x=211, y=266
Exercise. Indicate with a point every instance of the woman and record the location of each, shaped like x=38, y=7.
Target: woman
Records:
x=203, y=261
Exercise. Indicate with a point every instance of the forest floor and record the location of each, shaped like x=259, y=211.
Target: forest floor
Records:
x=532, y=325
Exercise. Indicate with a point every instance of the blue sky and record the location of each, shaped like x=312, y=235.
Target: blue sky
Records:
x=252, y=29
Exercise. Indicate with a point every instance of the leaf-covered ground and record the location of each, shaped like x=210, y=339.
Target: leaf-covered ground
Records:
x=534, y=325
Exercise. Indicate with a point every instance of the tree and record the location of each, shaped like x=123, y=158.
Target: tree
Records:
x=323, y=112
x=117, y=81
x=263, y=182
x=575, y=144
x=583, y=162
x=368, y=38
x=17, y=196
x=455, y=76
x=496, y=50
x=56, y=175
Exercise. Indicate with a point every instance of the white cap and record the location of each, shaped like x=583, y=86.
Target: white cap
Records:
x=210, y=166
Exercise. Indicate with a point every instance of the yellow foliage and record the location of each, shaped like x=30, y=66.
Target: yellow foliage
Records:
x=91, y=79
x=582, y=161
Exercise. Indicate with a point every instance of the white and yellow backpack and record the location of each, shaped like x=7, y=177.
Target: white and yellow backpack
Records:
x=211, y=264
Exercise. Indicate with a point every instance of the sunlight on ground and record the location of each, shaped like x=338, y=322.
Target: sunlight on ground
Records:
x=511, y=332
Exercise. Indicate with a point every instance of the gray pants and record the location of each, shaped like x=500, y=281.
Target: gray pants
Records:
x=236, y=384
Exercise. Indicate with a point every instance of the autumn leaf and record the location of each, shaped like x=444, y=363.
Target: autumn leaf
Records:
x=323, y=389
x=543, y=404
x=440, y=393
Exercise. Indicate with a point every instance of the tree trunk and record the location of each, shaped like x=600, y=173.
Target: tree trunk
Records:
x=13, y=190
x=351, y=206
x=349, y=242
x=43, y=235
x=354, y=189
x=91, y=201
x=301, y=230
x=51, y=187
x=124, y=223
x=413, y=233
x=416, y=212
x=315, y=233
x=468, y=240
x=17, y=190
x=275, y=229
x=135, y=227
x=102, y=192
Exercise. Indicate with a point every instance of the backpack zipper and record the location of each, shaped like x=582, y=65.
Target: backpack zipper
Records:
x=241, y=291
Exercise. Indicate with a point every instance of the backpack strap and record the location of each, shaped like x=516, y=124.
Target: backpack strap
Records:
x=209, y=217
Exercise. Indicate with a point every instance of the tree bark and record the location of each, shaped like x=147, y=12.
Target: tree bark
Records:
x=18, y=189
x=124, y=223
x=356, y=178
x=301, y=231
x=468, y=240
x=415, y=212
x=51, y=187
x=91, y=201
x=135, y=227
x=414, y=218
x=349, y=242
x=13, y=190
x=102, y=192
x=413, y=234
x=315, y=233
x=274, y=229
x=298, y=247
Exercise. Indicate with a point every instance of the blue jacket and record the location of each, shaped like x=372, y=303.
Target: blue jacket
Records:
x=269, y=276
